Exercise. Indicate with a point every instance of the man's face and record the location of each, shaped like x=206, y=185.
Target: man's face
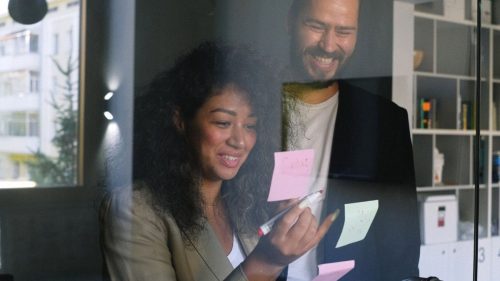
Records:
x=324, y=34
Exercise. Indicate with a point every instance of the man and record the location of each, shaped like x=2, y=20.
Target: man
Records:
x=361, y=142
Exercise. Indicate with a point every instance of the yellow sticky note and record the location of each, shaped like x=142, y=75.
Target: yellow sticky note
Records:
x=358, y=219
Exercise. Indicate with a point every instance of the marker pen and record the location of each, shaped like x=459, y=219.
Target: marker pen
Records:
x=304, y=202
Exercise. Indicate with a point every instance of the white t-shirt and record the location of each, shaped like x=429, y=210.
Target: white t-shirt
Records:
x=312, y=127
x=236, y=256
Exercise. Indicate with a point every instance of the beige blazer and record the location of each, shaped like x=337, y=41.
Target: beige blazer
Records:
x=140, y=245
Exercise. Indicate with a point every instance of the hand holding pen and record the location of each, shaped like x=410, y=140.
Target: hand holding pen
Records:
x=290, y=235
x=306, y=201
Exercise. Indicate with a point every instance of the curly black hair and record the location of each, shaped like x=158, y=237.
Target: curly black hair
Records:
x=163, y=157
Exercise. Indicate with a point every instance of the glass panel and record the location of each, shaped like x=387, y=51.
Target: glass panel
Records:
x=336, y=82
x=382, y=94
x=39, y=97
x=444, y=132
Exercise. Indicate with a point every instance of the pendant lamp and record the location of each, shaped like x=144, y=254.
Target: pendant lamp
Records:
x=27, y=11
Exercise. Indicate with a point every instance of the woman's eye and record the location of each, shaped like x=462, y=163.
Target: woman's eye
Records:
x=344, y=34
x=316, y=28
x=251, y=126
x=222, y=124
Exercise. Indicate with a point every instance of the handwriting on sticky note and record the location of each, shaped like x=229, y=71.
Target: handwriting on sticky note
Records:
x=358, y=219
x=334, y=271
x=291, y=175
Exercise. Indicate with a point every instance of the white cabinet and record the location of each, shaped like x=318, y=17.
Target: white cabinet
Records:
x=434, y=261
x=454, y=261
x=495, y=259
x=460, y=262
x=484, y=259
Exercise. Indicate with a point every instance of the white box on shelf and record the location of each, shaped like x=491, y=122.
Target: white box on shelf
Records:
x=439, y=219
x=454, y=9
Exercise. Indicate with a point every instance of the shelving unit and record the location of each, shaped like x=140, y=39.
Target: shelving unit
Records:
x=447, y=75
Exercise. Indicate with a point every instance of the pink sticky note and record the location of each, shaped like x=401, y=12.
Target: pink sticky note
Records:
x=334, y=271
x=292, y=173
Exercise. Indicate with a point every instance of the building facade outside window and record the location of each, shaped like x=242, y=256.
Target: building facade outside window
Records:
x=55, y=49
x=39, y=96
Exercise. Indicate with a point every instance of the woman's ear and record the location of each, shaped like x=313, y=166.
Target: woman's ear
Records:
x=178, y=121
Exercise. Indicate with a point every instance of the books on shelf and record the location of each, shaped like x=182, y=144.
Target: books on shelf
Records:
x=494, y=121
x=427, y=117
x=495, y=110
x=427, y=113
x=466, y=122
x=495, y=177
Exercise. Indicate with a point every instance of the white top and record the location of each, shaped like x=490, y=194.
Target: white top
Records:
x=236, y=256
x=313, y=126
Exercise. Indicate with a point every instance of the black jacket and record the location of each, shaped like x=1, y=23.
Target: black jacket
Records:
x=372, y=159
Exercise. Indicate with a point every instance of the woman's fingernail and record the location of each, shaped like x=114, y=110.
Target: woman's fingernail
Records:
x=335, y=214
x=303, y=205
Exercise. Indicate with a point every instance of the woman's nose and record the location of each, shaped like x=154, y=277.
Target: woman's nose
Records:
x=237, y=138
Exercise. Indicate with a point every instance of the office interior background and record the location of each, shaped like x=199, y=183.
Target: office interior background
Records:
x=421, y=54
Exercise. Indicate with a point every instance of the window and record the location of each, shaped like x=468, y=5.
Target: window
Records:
x=16, y=124
x=34, y=82
x=32, y=124
x=20, y=45
x=16, y=171
x=55, y=42
x=35, y=96
x=70, y=40
x=72, y=4
x=52, y=10
x=33, y=43
x=3, y=125
x=19, y=124
x=18, y=83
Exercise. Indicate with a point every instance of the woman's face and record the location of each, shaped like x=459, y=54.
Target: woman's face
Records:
x=223, y=133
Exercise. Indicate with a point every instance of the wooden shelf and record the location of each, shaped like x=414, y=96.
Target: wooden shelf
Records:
x=438, y=188
x=450, y=132
x=463, y=22
x=447, y=76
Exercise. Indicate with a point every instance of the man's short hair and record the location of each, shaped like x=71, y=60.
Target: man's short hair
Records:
x=298, y=5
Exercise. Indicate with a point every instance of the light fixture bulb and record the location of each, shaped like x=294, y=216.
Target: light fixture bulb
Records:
x=108, y=95
x=108, y=115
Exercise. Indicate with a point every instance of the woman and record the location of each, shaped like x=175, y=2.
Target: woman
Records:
x=203, y=157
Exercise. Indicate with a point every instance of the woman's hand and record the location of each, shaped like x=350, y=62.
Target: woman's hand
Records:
x=292, y=236
x=295, y=234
